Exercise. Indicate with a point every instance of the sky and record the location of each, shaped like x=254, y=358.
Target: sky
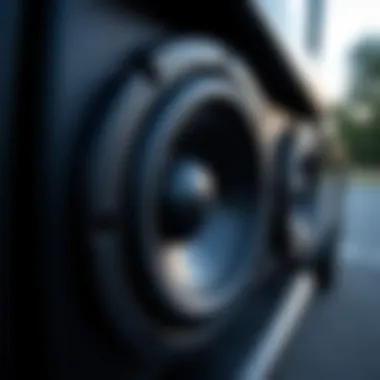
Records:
x=346, y=22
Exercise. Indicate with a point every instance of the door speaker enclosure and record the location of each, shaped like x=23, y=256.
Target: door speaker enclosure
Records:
x=296, y=177
x=174, y=196
x=308, y=203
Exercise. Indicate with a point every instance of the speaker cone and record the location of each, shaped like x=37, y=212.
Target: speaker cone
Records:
x=202, y=174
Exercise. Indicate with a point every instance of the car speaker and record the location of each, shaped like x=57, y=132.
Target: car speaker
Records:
x=296, y=177
x=305, y=223
x=174, y=196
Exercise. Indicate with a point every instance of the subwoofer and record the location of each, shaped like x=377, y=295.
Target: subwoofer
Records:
x=174, y=196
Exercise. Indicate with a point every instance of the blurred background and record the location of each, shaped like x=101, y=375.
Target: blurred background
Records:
x=340, y=338
x=350, y=61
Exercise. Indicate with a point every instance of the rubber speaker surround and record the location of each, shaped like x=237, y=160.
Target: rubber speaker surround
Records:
x=151, y=122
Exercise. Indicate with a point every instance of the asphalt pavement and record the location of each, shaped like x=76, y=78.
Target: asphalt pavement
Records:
x=340, y=336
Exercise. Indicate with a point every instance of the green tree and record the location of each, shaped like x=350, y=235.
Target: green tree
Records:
x=359, y=115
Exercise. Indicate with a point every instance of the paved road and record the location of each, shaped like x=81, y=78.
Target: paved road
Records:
x=361, y=240
x=340, y=337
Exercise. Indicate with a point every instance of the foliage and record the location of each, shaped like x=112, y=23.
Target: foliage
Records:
x=358, y=116
x=361, y=139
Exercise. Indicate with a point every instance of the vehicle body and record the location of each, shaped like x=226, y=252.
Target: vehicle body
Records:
x=91, y=75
